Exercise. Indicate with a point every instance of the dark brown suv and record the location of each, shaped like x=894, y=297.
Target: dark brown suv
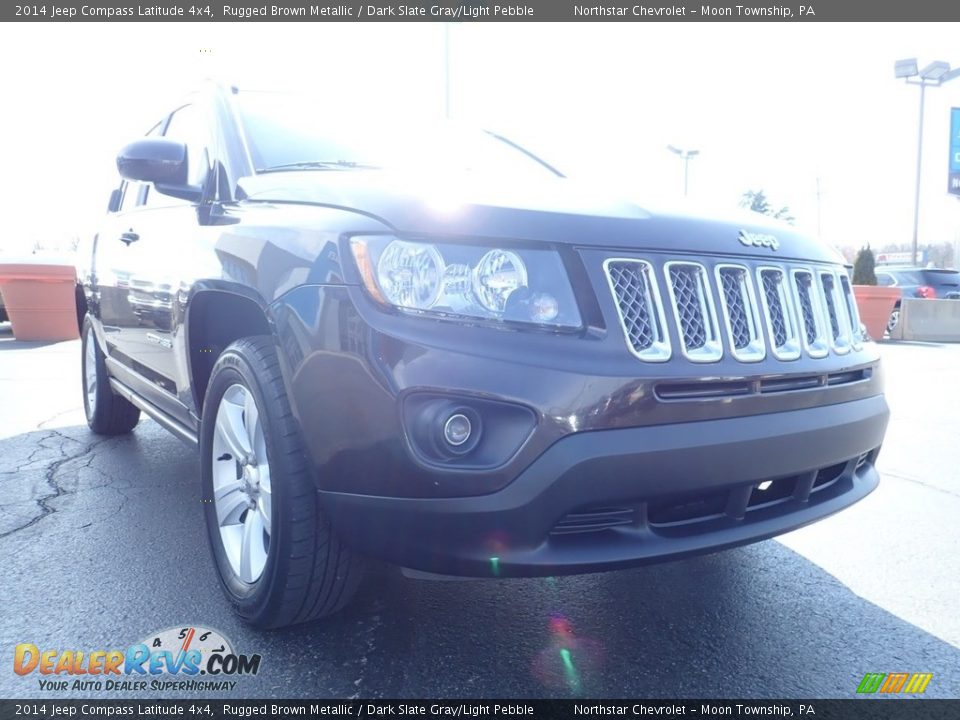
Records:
x=429, y=347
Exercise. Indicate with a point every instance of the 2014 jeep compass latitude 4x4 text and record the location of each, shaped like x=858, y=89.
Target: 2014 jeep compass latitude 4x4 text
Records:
x=430, y=347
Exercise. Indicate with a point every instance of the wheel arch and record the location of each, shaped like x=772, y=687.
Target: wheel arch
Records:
x=81, y=306
x=217, y=316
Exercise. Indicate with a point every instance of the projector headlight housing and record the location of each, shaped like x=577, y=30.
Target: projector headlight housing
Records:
x=499, y=285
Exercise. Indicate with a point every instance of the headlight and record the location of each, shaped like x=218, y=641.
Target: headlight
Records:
x=411, y=274
x=497, y=276
x=469, y=281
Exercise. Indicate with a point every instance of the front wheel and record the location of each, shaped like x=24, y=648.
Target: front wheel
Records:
x=277, y=557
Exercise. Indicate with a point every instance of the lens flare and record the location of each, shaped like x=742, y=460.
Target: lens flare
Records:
x=568, y=660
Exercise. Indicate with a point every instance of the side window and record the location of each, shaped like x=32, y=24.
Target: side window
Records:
x=130, y=195
x=186, y=126
x=884, y=279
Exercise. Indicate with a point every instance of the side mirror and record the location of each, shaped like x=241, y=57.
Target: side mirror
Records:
x=160, y=161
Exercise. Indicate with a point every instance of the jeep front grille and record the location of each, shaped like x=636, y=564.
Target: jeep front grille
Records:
x=786, y=310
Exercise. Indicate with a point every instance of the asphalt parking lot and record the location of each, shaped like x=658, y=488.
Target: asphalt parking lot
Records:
x=104, y=544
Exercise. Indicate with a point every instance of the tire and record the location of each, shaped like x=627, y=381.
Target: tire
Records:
x=278, y=559
x=893, y=319
x=107, y=413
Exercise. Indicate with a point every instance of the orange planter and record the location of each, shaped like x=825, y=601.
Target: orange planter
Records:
x=39, y=299
x=875, y=304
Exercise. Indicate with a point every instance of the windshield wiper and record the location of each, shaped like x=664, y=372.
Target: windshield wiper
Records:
x=318, y=165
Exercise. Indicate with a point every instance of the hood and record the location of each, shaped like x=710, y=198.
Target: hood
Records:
x=555, y=210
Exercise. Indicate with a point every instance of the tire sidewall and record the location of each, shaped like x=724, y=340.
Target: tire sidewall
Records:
x=100, y=368
x=251, y=600
x=893, y=320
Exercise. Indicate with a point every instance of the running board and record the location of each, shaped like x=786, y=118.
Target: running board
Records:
x=184, y=433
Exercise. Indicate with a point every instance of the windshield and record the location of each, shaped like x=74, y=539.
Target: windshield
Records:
x=289, y=132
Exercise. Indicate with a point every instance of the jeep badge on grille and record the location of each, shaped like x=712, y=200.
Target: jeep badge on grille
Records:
x=758, y=240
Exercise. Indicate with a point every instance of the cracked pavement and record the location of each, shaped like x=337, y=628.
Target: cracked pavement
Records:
x=103, y=543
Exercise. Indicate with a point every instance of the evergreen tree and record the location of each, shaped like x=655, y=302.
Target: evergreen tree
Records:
x=864, y=267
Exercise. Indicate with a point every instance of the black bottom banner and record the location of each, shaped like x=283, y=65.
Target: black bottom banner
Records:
x=865, y=709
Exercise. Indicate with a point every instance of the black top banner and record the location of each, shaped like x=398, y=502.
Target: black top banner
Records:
x=483, y=11
x=864, y=709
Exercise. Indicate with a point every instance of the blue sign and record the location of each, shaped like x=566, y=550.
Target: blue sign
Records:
x=953, y=182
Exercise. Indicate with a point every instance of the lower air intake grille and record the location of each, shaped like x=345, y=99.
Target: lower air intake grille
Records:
x=591, y=520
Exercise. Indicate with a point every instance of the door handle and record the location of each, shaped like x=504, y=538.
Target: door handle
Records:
x=129, y=237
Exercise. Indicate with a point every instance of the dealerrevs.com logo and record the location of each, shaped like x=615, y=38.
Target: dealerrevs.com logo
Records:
x=187, y=658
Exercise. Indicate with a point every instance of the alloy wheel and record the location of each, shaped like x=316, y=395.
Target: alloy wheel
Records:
x=90, y=371
x=241, y=483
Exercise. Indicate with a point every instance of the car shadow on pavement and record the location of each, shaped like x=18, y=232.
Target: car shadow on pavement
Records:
x=106, y=541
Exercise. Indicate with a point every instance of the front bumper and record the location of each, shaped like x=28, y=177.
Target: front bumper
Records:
x=614, y=498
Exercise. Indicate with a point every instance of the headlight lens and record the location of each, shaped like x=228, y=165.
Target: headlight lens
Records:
x=498, y=274
x=411, y=274
x=469, y=281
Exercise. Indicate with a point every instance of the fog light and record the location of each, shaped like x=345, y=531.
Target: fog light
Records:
x=457, y=429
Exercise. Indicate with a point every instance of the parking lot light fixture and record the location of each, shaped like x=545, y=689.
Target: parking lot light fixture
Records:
x=935, y=71
x=905, y=68
x=684, y=155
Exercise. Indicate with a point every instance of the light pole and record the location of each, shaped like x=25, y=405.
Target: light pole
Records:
x=684, y=155
x=935, y=74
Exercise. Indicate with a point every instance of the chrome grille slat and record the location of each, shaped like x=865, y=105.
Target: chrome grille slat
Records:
x=771, y=289
x=740, y=313
x=693, y=311
x=830, y=296
x=811, y=313
x=688, y=307
x=840, y=326
x=778, y=311
x=736, y=306
x=637, y=296
x=853, y=315
x=804, y=283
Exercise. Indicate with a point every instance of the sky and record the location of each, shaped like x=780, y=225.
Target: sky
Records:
x=780, y=107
